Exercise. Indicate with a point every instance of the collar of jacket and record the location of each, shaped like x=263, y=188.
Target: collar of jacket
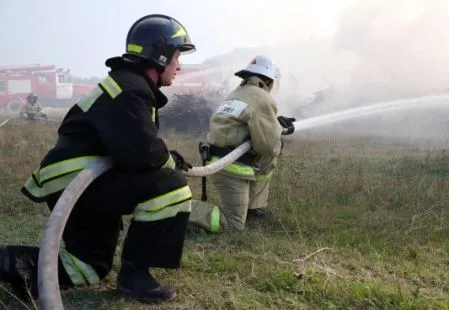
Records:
x=120, y=63
x=161, y=99
x=256, y=81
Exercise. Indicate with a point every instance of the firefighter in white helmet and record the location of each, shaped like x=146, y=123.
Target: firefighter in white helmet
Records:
x=249, y=112
x=32, y=108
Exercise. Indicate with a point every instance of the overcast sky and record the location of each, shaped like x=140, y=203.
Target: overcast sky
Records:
x=81, y=34
x=364, y=45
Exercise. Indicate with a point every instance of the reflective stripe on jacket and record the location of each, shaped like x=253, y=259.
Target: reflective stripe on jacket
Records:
x=249, y=112
x=64, y=162
x=55, y=177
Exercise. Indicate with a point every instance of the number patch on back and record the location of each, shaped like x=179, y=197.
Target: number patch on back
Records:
x=232, y=107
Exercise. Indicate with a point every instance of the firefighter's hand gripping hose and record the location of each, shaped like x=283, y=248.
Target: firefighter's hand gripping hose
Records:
x=48, y=284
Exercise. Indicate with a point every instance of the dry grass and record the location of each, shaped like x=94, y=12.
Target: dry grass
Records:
x=359, y=224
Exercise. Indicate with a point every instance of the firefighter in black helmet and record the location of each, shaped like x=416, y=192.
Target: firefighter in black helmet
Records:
x=119, y=118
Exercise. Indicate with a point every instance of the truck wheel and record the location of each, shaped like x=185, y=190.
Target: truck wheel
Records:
x=13, y=106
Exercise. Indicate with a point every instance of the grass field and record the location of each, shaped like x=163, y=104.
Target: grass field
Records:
x=359, y=223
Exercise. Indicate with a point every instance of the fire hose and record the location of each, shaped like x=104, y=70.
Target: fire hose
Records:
x=36, y=118
x=7, y=120
x=48, y=283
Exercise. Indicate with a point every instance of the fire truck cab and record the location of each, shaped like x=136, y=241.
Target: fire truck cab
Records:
x=53, y=86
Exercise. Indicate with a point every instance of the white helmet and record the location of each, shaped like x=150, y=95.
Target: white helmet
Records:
x=261, y=65
x=264, y=66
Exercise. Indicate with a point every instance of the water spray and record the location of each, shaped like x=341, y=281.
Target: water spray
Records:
x=48, y=283
x=359, y=112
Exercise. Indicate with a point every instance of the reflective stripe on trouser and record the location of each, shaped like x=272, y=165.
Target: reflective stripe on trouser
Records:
x=78, y=271
x=207, y=216
x=164, y=206
x=56, y=177
x=232, y=209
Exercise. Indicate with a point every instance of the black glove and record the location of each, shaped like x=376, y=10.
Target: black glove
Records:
x=287, y=124
x=179, y=160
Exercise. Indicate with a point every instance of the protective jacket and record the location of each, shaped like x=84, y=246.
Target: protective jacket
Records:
x=32, y=108
x=249, y=112
x=119, y=119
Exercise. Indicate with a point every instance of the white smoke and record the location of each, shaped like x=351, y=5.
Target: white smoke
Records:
x=381, y=50
x=395, y=48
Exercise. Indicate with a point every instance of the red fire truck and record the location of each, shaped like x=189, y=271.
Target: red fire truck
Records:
x=199, y=79
x=52, y=85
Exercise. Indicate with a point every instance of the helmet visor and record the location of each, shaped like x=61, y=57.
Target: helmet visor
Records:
x=187, y=48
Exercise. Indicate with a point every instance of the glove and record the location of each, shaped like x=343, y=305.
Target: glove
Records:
x=179, y=161
x=287, y=124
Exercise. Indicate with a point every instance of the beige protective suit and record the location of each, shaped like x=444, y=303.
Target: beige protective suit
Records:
x=32, y=109
x=249, y=112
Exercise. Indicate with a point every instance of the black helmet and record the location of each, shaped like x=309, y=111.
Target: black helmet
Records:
x=153, y=39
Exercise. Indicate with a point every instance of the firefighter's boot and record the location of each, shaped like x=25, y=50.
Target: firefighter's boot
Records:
x=18, y=267
x=259, y=213
x=5, y=265
x=138, y=283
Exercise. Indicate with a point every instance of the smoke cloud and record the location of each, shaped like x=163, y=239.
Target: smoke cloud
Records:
x=379, y=51
x=358, y=51
x=395, y=47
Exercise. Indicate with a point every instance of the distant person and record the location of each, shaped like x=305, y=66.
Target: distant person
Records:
x=119, y=119
x=248, y=113
x=32, y=108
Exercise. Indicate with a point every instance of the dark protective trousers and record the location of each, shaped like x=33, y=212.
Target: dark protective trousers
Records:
x=92, y=230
